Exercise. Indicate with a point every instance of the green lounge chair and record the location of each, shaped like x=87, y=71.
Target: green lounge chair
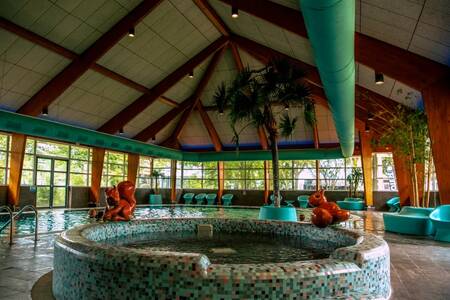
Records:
x=440, y=218
x=351, y=204
x=410, y=220
x=393, y=204
x=200, y=198
x=227, y=199
x=303, y=201
x=155, y=199
x=188, y=197
x=211, y=199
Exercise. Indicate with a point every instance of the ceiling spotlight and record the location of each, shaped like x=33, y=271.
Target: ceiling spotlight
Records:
x=131, y=32
x=286, y=107
x=370, y=116
x=45, y=111
x=191, y=74
x=379, y=78
x=367, y=128
x=234, y=12
x=121, y=131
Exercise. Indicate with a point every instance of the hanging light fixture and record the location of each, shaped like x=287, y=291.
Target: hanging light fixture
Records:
x=379, y=78
x=131, y=32
x=234, y=12
x=45, y=111
x=191, y=74
x=121, y=131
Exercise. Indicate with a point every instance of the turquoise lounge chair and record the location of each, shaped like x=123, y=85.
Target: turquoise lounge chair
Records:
x=351, y=204
x=200, y=198
x=211, y=199
x=440, y=218
x=155, y=199
x=272, y=198
x=393, y=204
x=188, y=197
x=410, y=220
x=303, y=201
x=227, y=199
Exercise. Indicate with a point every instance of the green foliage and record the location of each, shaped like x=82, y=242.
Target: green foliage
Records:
x=354, y=179
x=287, y=125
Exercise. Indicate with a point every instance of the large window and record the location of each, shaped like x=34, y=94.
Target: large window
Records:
x=384, y=172
x=80, y=166
x=296, y=175
x=163, y=166
x=4, y=158
x=353, y=164
x=332, y=174
x=144, y=176
x=114, y=168
x=234, y=175
x=200, y=175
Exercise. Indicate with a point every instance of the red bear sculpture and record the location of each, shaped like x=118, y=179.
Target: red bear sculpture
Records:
x=326, y=213
x=120, y=202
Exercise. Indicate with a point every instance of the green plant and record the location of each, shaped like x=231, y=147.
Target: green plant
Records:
x=407, y=133
x=354, y=179
x=157, y=175
x=260, y=98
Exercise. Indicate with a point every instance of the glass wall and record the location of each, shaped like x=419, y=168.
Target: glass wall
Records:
x=4, y=158
x=199, y=175
x=80, y=166
x=162, y=166
x=296, y=175
x=332, y=174
x=384, y=172
x=115, y=168
x=144, y=176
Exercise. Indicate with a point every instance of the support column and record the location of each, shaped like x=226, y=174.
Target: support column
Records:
x=133, y=165
x=98, y=157
x=173, y=181
x=221, y=181
x=316, y=146
x=266, y=181
x=365, y=139
x=18, y=142
x=402, y=177
x=436, y=98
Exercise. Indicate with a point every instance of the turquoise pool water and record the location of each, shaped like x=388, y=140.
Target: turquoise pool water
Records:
x=59, y=219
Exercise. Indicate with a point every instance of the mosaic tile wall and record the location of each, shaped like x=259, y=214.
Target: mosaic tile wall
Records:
x=86, y=269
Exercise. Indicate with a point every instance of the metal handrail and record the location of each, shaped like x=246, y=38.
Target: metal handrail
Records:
x=18, y=214
x=10, y=222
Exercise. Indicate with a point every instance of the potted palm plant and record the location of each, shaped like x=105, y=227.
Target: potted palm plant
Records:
x=354, y=179
x=261, y=98
x=156, y=198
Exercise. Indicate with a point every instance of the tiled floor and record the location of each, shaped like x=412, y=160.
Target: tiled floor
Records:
x=420, y=268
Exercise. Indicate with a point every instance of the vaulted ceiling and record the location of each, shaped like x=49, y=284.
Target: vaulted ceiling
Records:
x=75, y=58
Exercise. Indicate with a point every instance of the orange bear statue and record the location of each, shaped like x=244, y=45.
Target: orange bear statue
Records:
x=120, y=202
x=326, y=213
x=317, y=198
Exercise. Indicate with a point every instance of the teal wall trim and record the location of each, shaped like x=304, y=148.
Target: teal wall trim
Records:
x=331, y=30
x=32, y=126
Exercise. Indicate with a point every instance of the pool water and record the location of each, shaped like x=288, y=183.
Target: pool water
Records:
x=227, y=248
x=59, y=219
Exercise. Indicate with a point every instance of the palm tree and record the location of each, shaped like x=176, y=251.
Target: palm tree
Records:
x=260, y=98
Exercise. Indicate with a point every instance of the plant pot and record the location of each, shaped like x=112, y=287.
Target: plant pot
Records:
x=155, y=199
x=285, y=213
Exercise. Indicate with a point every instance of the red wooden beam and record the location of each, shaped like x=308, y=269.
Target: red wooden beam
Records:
x=196, y=96
x=236, y=56
x=209, y=127
x=213, y=17
x=132, y=110
x=55, y=87
x=407, y=67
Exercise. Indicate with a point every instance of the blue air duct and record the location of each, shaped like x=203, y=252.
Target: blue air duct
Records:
x=331, y=30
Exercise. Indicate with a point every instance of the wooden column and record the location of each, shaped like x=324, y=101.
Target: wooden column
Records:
x=437, y=108
x=173, y=181
x=365, y=139
x=18, y=142
x=402, y=177
x=133, y=165
x=98, y=157
x=221, y=181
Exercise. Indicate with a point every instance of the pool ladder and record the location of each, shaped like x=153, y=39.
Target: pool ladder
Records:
x=13, y=216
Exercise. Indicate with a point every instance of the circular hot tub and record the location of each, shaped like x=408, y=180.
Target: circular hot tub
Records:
x=176, y=259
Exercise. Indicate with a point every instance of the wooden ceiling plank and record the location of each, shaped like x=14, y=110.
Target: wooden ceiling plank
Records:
x=56, y=86
x=132, y=110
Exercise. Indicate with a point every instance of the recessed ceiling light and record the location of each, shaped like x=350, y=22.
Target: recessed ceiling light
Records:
x=131, y=32
x=191, y=74
x=379, y=78
x=234, y=12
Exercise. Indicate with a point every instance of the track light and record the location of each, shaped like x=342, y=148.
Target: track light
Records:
x=379, y=78
x=121, y=131
x=45, y=111
x=131, y=32
x=367, y=128
x=191, y=74
x=234, y=12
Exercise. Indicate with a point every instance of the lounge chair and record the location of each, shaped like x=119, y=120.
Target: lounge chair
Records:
x=200, y=198
x=188, y=197
x=303, y=201
x=272, y=197
x=155, y=199
x=393, y=204
x=227, y=199
x=410, y=220
x=211, y=199
x=440, y=218
x=351, y=204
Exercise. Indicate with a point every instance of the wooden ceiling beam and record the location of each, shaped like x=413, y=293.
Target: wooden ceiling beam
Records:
x=56, y=86
x=213, y=17
x=132, y=110
x=212, y=132
x=196, y=96
x=414, y=70
x=55, y=48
